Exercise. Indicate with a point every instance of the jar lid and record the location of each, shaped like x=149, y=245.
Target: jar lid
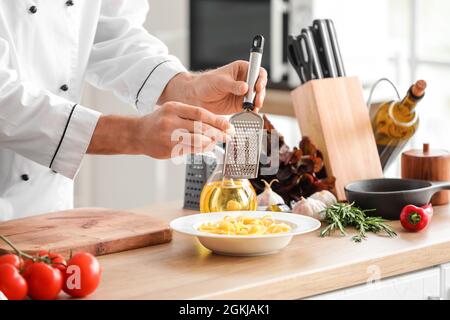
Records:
x=426, y=152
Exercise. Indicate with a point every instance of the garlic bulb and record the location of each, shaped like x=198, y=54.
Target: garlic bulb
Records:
x=326, y=197
x=311, y=208
x=269, y=197
x=278, y=208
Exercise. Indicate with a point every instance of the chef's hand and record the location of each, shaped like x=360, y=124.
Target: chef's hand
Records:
x=176, y=129
x=220, y=91
x=172, y=130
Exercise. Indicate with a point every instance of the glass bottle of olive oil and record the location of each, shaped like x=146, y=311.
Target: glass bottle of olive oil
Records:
x=224, y=194
x=396, y=122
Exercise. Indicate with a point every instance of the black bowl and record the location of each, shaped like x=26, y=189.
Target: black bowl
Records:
x=390, y=196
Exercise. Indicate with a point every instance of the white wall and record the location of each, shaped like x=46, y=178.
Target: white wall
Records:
x=126, y=181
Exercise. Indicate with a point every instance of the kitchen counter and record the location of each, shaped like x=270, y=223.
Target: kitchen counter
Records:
x=310, y=265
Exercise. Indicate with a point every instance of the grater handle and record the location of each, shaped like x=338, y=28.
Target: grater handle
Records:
x=256, y=54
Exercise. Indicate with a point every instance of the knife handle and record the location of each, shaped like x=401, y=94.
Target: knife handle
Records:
x=324, y=48
x=336, y=49
x=254, y=67
x=314, y=55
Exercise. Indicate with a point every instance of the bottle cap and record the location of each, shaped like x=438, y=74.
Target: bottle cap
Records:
x=417, y=90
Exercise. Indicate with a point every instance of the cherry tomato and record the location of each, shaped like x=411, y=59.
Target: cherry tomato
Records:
x=58, y=260
x=12, y=284
x=42, y=253
x=27, y=263
x=13, y=259
x=82, y=275
x=44, y=281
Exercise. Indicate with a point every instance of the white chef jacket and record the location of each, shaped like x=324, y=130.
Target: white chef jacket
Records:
x=48, y=48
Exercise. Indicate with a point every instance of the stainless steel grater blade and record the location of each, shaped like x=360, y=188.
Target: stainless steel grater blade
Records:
x=243, y=151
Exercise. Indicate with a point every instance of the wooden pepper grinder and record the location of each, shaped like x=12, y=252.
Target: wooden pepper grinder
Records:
x=430, y=165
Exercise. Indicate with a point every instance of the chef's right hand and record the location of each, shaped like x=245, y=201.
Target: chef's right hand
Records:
x=175, y=129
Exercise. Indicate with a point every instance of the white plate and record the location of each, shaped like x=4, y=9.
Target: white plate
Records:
x=244, y=245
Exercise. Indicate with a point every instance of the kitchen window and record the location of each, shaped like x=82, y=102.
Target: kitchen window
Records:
x=403, y=40
x=431, y=59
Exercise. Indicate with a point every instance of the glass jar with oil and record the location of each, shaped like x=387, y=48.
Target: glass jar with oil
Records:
x=224, y=194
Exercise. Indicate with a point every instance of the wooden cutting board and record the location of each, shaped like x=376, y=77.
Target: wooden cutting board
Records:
x=94, y=230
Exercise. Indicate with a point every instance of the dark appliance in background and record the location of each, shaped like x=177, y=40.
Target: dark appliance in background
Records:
x=220, y=29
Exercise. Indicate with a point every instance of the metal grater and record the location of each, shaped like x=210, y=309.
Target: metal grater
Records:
x=198, y=169
x=243, y=151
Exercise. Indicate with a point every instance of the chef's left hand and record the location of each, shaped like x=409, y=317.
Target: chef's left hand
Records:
x=220, y=91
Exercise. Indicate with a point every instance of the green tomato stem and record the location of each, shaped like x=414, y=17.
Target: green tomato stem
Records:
x=18, y=252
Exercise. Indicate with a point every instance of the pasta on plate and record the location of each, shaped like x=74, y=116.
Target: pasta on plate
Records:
x=245, y=226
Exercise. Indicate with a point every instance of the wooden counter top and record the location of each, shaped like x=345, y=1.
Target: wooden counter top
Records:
x=309, y=266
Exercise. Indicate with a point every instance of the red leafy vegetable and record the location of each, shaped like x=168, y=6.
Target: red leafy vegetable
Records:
x=301, y=170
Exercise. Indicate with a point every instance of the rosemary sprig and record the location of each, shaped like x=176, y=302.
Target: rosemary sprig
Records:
x=342, y=215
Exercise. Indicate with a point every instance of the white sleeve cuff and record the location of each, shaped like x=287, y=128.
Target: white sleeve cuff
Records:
x=74, y=141
x=157, y=79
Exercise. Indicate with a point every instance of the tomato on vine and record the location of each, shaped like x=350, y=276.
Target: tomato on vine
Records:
x=44, y=281
x=46, y=274
x=13, y=259
x=12, y=284
x=55, y=259
x=82, y=275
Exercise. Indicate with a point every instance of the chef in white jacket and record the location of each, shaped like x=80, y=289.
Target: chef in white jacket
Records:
x=48, y=48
